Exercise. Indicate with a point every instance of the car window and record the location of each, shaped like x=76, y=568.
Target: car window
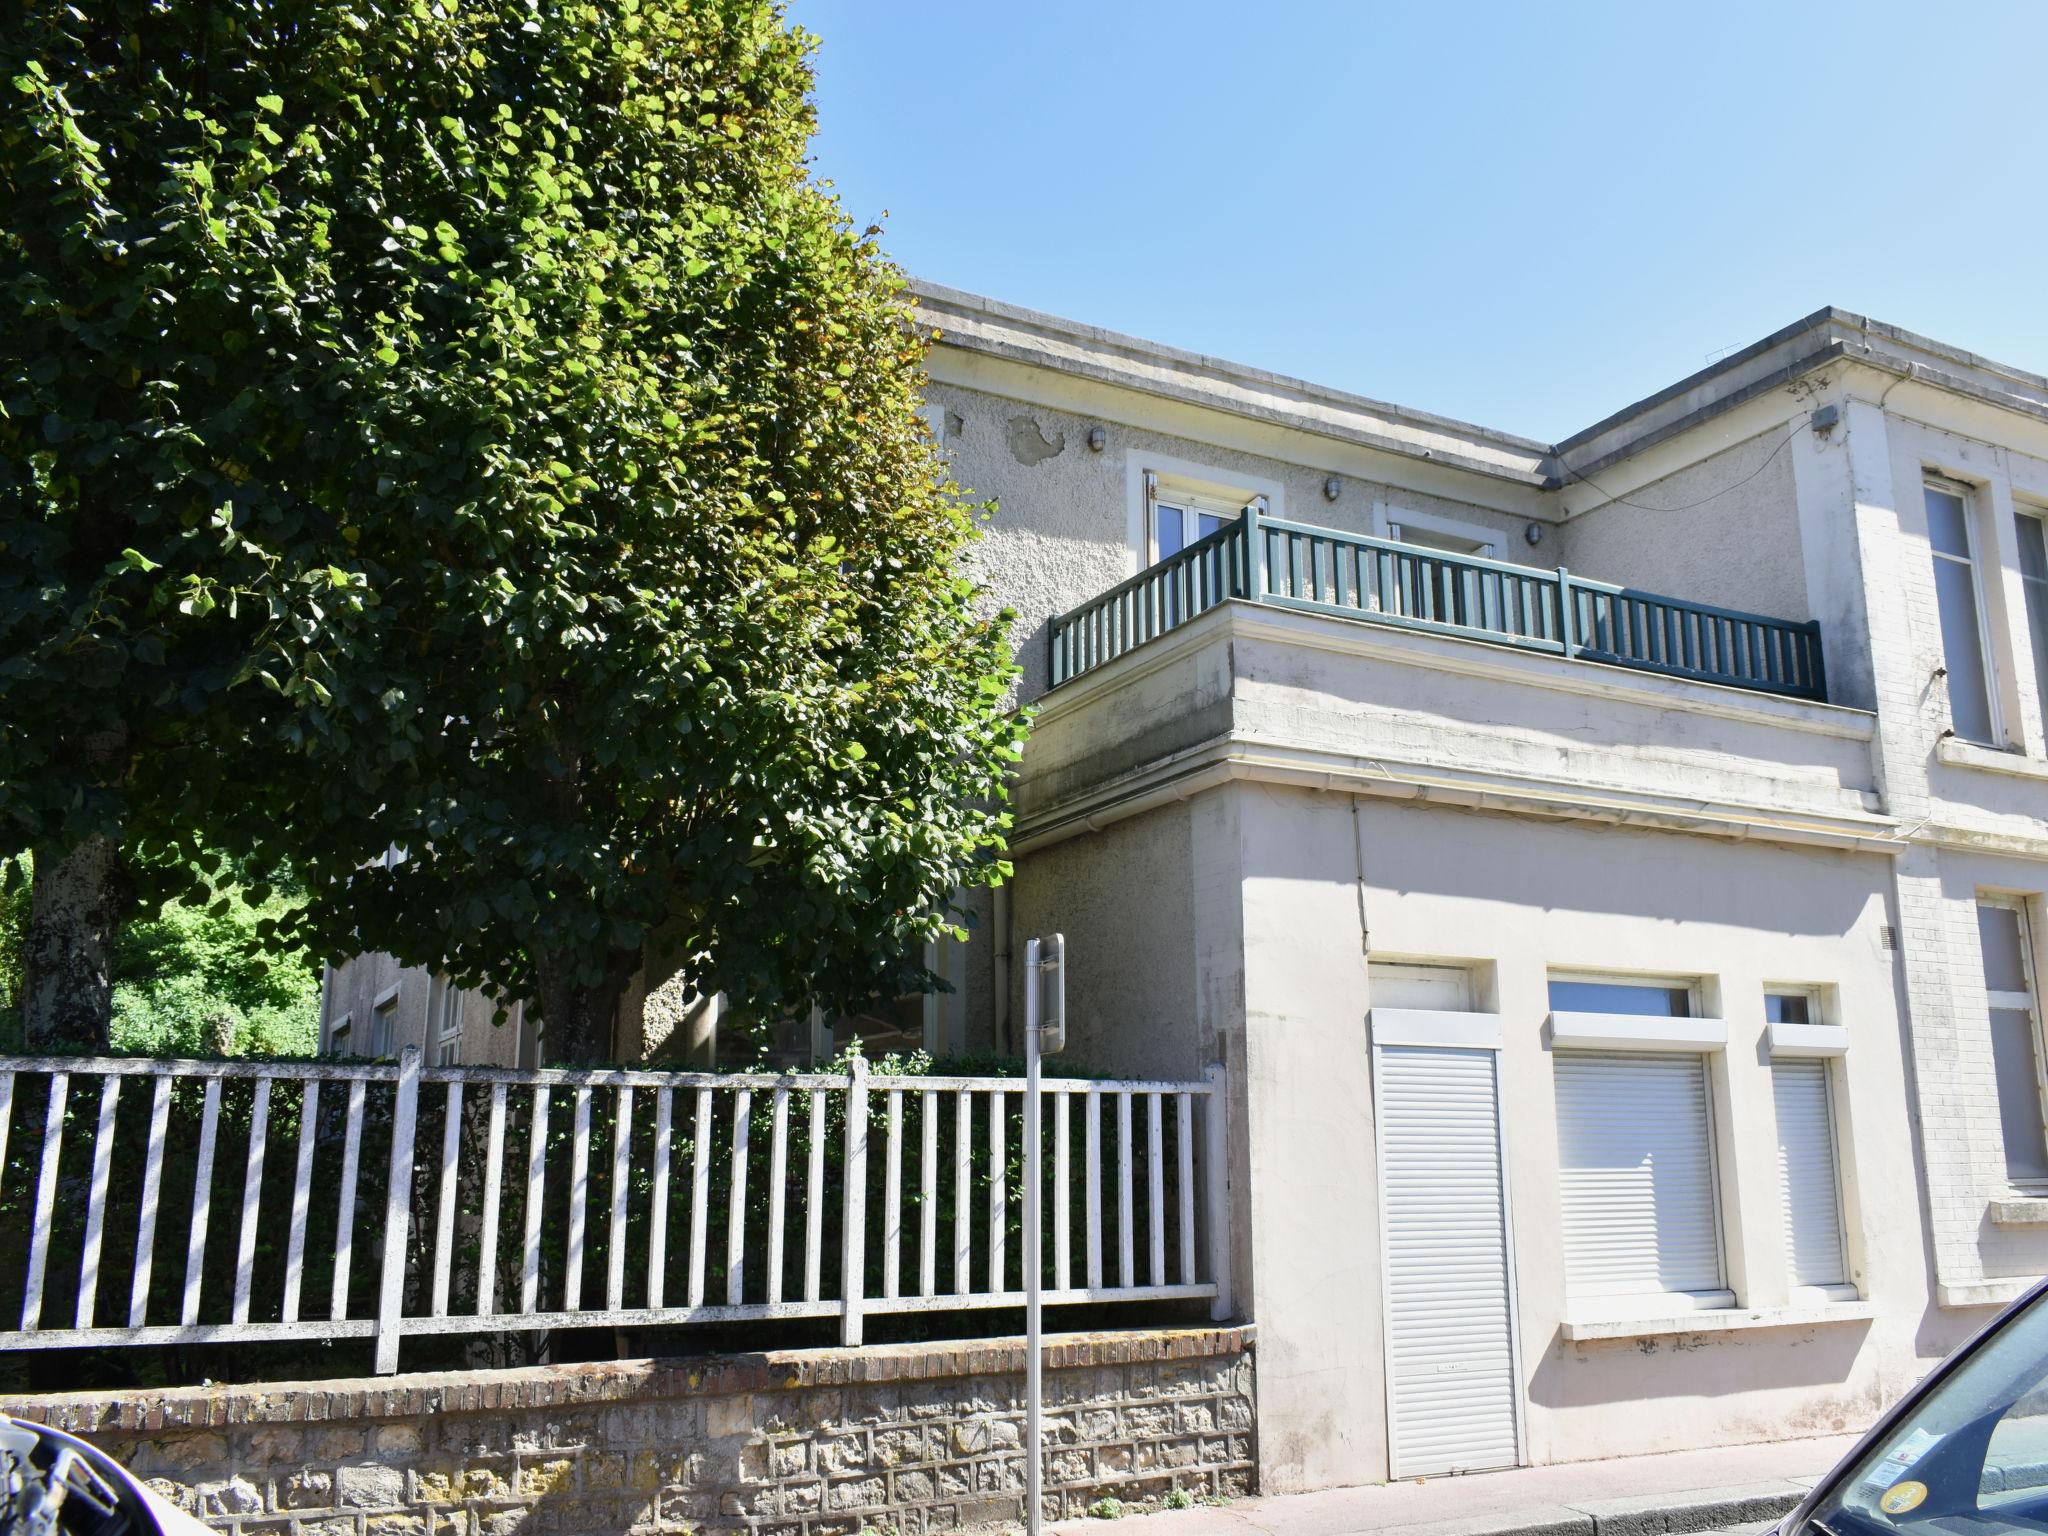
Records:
x=1971, y=1456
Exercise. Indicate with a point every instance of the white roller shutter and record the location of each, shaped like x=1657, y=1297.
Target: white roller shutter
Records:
x=1451, y=1381
x=1812, y=1210
x=1636, y=1156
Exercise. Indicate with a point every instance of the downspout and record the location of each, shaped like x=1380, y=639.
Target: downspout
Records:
x=1001, y=923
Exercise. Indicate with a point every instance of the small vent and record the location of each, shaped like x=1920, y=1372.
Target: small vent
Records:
x=1888, y=937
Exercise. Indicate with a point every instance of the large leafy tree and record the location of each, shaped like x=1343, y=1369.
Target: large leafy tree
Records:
x=561, y=514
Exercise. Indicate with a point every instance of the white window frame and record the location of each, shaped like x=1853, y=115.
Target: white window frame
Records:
x=2030, y=1001
x=1823, y=1038
x=2037, y=514
x=1987, y=642
x=345, y=1025
x=447, y=1039
x=1389, y=518
x=1143, y=470
x=1697, y=1035
x=384, y=1010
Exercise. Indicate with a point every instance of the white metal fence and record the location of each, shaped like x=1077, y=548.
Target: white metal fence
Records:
x=386, y=1200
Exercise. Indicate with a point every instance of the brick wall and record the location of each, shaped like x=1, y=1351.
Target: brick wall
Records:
x=923, y=1437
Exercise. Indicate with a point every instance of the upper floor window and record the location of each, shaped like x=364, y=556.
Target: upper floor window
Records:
x=448, y=1027
x=2033, y=542
x=1450, y=542
x=1960, y=600
x=1179, y=512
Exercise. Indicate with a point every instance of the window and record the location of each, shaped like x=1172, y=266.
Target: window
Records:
x=339, y=1039
x=1960, y=602
x=1788, y=1008
x=448, y=1027
x=1652, y=999
x=1439, y=988
x=1636, y=1160
x=1809, y=1186
x=383, y=1026
x=1180, y=512
x=2033, y=542
x=2005, y=936
x=1433, y=538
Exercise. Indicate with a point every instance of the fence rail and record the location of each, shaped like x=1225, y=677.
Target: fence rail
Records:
x=141, y=1200
x=1298, y=565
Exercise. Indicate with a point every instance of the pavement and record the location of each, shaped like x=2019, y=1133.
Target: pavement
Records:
x=1722, y=1489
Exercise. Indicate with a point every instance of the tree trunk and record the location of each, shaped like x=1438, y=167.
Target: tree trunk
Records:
x=575, y=1019
x=75, y=914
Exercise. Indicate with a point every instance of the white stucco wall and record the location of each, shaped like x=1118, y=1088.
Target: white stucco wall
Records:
x=1520, y=898
x=1064, y=528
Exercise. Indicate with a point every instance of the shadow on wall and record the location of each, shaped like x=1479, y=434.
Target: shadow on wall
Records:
x=1588, y=1375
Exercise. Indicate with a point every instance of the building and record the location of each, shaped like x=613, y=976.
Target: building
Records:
x=1612, y=871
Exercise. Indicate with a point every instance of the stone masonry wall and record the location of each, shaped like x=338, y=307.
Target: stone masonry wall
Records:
x=919, y=1438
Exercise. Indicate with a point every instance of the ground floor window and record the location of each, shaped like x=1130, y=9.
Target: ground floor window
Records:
x=2006, y=939
x=1636, y=1161
x=1810, y=1206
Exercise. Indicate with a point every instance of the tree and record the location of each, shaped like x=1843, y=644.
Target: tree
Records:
x=153, y=538
x=598, y=558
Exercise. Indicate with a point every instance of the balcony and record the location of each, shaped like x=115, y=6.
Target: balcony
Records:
x=1320, y=570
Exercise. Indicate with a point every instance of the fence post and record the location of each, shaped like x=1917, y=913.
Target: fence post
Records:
x=397, y=1210
x=1567, y=613
x=1218, y=1190
x=1254, y=553
x=854, y=1230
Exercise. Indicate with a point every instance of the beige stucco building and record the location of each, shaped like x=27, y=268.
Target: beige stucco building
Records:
x=1611, y=872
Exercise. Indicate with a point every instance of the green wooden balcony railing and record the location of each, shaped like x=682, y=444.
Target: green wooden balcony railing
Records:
x=1298, y=565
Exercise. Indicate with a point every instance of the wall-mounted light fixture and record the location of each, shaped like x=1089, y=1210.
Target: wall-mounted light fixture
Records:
x=1333, y=488
x=1532, y=534
x=1097, y=439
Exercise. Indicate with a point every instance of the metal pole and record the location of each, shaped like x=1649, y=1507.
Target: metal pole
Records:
x=1034, y=1472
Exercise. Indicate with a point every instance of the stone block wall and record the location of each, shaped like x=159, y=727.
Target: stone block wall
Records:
x=915, y=1438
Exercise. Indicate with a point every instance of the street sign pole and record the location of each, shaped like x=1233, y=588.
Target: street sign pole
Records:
x=1042, y=1035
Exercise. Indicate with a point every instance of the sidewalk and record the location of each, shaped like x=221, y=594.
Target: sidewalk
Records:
x=1681, y=1491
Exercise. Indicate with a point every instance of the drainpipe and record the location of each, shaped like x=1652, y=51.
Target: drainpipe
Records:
x=1000, y=922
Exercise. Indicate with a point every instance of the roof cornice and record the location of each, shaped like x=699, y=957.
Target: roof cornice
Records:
x=1032, y=338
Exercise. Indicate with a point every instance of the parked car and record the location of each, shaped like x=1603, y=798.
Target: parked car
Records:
x=1965, y=1453
x=54, y=1484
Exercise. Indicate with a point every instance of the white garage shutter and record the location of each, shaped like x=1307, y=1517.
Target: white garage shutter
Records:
x=1636, y=1154
x=1450, y=1350
x=1812, y=1210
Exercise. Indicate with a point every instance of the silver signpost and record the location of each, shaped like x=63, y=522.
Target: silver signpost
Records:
x=1045, y=1033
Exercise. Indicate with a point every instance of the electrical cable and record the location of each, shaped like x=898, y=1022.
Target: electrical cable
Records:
x=1686, y=506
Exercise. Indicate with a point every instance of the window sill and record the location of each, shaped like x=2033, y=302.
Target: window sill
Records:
x=1984, y=1293
x=1970, y=754
x=1718, y=1320
x=2019, y=1211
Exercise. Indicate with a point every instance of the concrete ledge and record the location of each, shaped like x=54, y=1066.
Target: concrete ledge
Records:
x=2020, y=1211
x=1636, y=1032
x=1809, y=1040
x=1721, y=1320
x=1984, y=1293
x=1968, y=754
x=598, y=1383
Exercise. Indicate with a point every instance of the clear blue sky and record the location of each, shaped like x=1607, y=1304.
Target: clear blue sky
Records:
x=1521, y=215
